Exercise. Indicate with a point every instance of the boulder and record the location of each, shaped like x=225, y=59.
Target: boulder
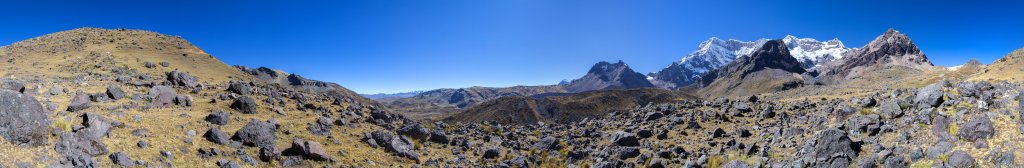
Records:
x=309, y=149
x=492, y=153
x=269, y=154
x=832, y=148
x=12, y=85
x=245, y=105
x=219, y=118
x=890, y=109
x=24, y=121
x=978, y=128
x=650, y=116
x=114, y=92
x=240, y=88
x=183, y=79
x=439, y=136
x=121, y=159
x=547, y=143
x=162, y=96
x=961, y=159
x=321, y=127
x=215, y=135
x=415, y=131
x=864, y=124
x=929, y=96
x=257, y=134
x=399, y=145
x=622, y=138
x=736, y=164
x=80, y=102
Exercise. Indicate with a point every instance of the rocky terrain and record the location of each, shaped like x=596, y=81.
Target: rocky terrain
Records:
x=130, y=98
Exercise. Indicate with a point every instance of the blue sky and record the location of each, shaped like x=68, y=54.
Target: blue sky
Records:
x=373, y=46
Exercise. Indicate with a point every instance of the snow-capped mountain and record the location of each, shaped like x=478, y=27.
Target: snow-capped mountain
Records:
x=812, y=53
x=714, y=53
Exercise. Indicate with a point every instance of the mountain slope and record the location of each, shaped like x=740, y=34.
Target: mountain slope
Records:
x=769, y=68
x=1008, y=68
x=605, y=76
x=889, y=49
x=58, y=54
x=714, y=53
x=520, y=110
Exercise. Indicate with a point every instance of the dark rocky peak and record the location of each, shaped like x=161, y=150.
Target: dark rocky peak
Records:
x=773, y=54
x=893, y=43
x=605, y=75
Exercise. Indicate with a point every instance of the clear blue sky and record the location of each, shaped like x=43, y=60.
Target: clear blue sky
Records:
x=376, y=46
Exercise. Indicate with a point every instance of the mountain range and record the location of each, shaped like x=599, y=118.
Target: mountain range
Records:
x=714, y=53
x=95, y=97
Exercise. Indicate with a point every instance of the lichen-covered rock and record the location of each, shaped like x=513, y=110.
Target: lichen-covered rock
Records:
x=257, y=134
x=245, y=105
x=24, y=121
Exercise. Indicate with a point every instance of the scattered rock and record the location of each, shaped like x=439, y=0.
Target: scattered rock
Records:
x=122, y=159
x=80, y=102
x=217, y=136
x=622, y=138
x=257, y=134
x=978, y=128
x=961, y=159
x=219, y=118
x=183, y=79
x=929, y=96
x=245, y=105
x=240, y=88
x=115, y=92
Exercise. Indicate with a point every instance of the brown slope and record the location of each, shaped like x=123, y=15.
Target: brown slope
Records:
x=565, y=108
x=1008, y=68
x=58, y=54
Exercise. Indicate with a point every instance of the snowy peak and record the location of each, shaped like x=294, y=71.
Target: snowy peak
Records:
x=715, y=52
x=812, y=53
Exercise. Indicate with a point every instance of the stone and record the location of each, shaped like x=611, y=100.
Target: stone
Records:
x=929, y=96
x=219, y=118
x=321, y=127
x=653, y=116
x=439, y=136
x=24, y=121
x=215, y=135
x=183, y=79
x=547, y=143
x=268, y=154
x=245, y=105
x=399, y=145
x=978, y=128
x=240, y=88
x=148, y=64
x=736, y=164
x=165, y=64
x=414, y=131
x=622, y=138
x=961, y=159
x=833, y=148
x=257, y=134
x=114, y=92
x=864, y=124
x=890, y=109
x=162, y=96
x=492, y=153
x=122, y=159
x=310, y=149
x=12, y=85
x=80, y=102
